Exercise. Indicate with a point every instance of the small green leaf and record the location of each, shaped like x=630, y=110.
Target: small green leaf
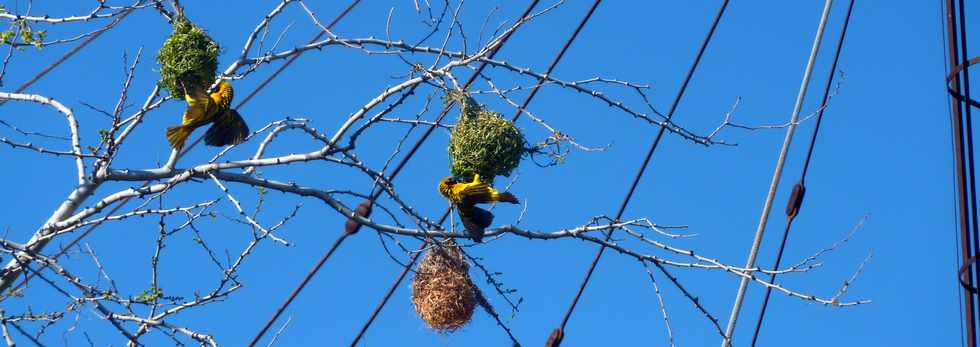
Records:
x=148, y=296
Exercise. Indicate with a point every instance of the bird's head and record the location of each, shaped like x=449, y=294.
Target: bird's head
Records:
x=225, y=93
x=447, y=181
x=225, y=87
x=446, y=184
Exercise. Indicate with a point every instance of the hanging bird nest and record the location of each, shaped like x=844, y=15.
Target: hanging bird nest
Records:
x=442, y=292
x=188, y=53
x=483, y=142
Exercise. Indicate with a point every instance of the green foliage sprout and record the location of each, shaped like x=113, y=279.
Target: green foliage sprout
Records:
x=190, y=52
x=28, y=36
x=483, y=142
x=148, y=296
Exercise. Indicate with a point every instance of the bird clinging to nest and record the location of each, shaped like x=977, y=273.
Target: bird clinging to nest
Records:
x=228, y=129
x=465, y=196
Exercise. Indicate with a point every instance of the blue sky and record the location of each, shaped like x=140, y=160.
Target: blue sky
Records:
x=884, y=151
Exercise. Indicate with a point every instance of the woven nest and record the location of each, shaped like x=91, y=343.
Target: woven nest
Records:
x=188, y=53
x=483, y=142
x=442, y=292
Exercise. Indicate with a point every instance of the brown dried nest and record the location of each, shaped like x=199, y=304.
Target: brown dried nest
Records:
x=442, y=292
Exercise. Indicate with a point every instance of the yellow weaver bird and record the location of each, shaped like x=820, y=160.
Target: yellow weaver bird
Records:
x=465, y=196
x=228, y=129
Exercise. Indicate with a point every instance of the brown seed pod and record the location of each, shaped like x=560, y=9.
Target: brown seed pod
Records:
x=363, y=210
x=442, y=292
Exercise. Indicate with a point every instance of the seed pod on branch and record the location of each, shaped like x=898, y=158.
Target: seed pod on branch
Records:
x=363, y=210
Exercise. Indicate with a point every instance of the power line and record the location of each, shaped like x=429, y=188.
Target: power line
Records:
x=364, y=208
x=777, y=173
x=559, y=333
x=72, y=52
x=40, y=75
x=554, y=62
x=275, y=73
x=278, y=71
x=527, y=101
x=264, y=83
x=289, y=61
x=799, y=190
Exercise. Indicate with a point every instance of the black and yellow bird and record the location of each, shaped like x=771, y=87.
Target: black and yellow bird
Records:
x=465, y=196
x=228, y=129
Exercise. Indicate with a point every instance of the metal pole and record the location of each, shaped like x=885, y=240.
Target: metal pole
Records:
x=959, y=159
x=744, y=283
x=799, y=190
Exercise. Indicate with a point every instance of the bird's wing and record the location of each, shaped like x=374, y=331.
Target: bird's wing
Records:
x=229, y=128
x=473, y=193
x=197, y=108
x=475, y=220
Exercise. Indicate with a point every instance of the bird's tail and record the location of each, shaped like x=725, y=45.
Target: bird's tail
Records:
x=475, y=220
x=505, y=197
x=228, y=129
x=177, y=135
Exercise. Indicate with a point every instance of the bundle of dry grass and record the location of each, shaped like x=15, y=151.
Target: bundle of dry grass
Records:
x=482, y=142
x=188, y=53
x=442, y=292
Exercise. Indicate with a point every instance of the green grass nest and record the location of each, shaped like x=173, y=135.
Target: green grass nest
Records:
x=189, y=50
x=483, y=142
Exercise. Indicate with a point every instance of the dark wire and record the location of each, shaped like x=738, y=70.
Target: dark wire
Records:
x=275, y=74
x=364, y=209
x=71, y=53
x=527, y=101
x=34, y=79
x=558, y=334
x=554, y=62
x=249, y=97
x=242, y=103
x=799, y=190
